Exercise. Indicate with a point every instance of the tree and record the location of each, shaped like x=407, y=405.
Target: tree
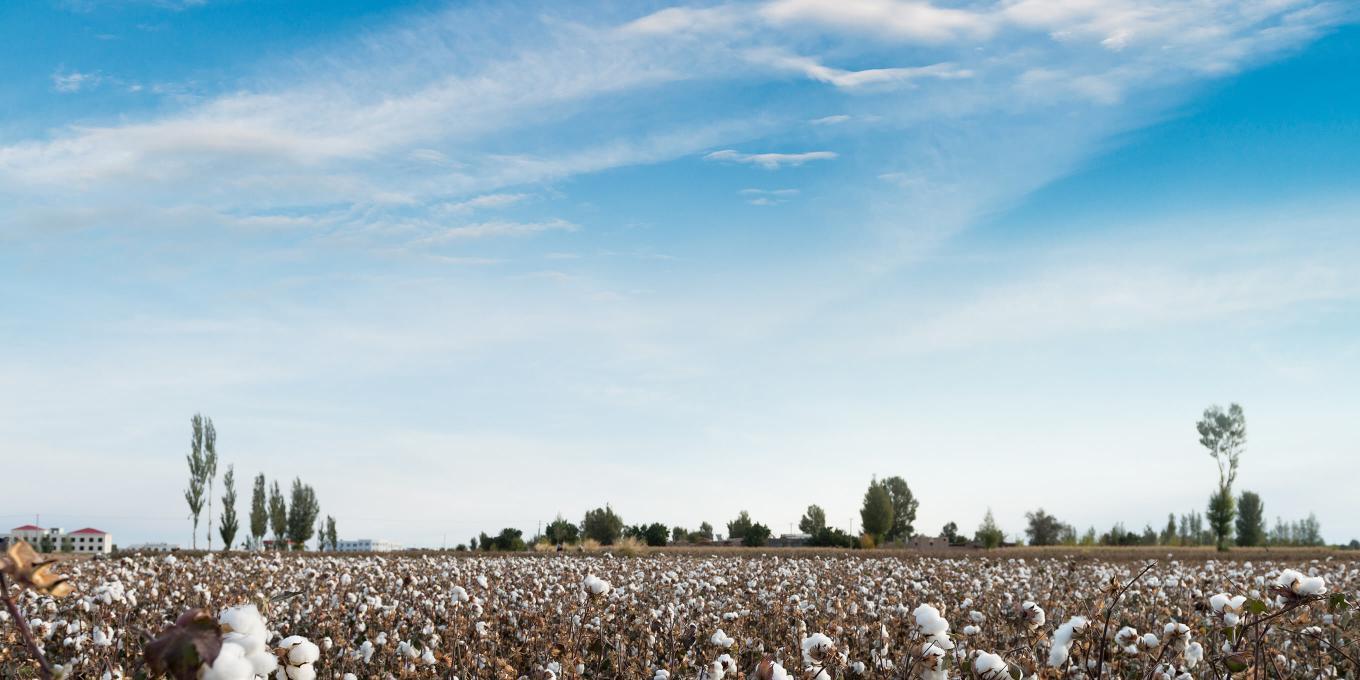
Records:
x=679, y=534
x=45, y=544
x=988, y=533
x=561, y=531
x=602, y=525
x=302, y=513
x=229, y=521
x=655, y=534
x=1251, y=521
x=755, y=535
x=829, y=537
x=259, y=513
x=705, y=531
x=1044, y=529
x=737, y=528
x=813, y=521
x=278, y=515
x=210, y=472
x=1224, y=434
x=904, y=509
x=332, y=537
x=1168, y=536
x=876, y=516
x=951, y=533
x=1222, y=508
x=198, y=473
x=509, y=540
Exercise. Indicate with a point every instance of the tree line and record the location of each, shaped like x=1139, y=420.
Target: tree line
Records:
x=293, y=519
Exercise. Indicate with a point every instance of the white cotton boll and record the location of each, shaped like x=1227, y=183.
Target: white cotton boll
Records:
x=1062, y=640
x=816, y=647
x=231, y=664
x=595, y=585
x=458, y=594
x=1299, y=584
x=366, y=651
x=990, y=666
x=303, y=672
x=350, y=676
x=971, y=630
x=300, y=650
x=661, y=675
x=720, y=640
x=1033, y=613
x=243, y=626
x=1194, y=653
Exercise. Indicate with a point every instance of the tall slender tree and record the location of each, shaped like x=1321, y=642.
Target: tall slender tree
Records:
x=904, y=508
x=229, y=522
x=259, y=513
x=198, y=474
x=1251, y=520
x=1224, y=434
x=876, y=515
x=332, y=538
x=278, y=515
x=303, y=510
x=210, y=470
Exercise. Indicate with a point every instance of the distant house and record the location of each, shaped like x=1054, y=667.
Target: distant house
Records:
x=35, y=536
x=789, y=541
x=367, y=545
x=153, y=548
x=923, y=542
x=85, y=541
x=285, y=544
x=89, y=541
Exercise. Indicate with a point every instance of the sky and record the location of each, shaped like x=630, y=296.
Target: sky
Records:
x=462, y=266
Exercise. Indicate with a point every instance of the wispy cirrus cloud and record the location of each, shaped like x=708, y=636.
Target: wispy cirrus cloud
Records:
x=769, y=161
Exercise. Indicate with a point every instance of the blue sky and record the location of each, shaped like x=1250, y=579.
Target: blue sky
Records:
x=468, y=265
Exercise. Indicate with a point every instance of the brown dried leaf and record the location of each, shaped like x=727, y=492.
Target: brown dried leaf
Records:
x=29, y=570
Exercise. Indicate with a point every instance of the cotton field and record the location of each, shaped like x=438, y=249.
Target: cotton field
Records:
x=666, y=617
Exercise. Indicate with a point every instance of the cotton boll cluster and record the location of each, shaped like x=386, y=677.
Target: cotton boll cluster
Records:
x=1061, y=646
x=244, y=628
x=595, y=585
x=1291, y=583
x=720, y=640
x=1032, y=614
x=817, y=648
x=988, y=666
x=299, y=655
x=933, y=627
x=1228, y=607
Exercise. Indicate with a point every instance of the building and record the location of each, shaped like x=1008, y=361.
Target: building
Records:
x=88, y=541
x=923, y=542
x=790, y=541
x=153, y=548
x=34, y=535
x=367, y=545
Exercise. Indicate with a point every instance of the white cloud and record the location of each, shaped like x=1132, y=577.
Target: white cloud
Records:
x=897, y=19
x=495, y=228
x=73, y=81
x=767, y=197
x=842, y=78
x=770, y=161
x=831, y=120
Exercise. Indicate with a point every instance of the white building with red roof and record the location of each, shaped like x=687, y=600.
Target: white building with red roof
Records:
x=89, y=541
x=34, y=535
